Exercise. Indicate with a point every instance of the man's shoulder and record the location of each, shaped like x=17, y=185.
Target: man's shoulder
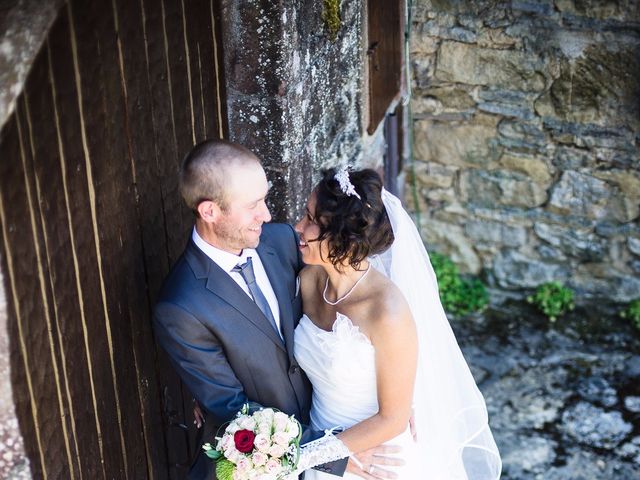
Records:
x=276, y=230
x=283, y=240
x=181, y=279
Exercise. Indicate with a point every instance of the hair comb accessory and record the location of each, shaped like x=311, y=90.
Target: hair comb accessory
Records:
x=342, y=176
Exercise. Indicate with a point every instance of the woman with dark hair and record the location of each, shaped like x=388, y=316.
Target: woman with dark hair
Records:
x=375, y=342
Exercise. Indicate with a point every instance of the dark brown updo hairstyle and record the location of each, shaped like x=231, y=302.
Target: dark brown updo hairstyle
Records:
x=354, y=228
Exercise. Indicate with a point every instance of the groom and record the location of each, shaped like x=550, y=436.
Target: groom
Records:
x=228, y=308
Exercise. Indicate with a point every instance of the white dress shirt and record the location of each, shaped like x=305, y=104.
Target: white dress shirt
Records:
x=227, y=261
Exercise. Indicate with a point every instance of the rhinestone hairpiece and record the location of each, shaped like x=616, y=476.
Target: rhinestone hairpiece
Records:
x=342, y=176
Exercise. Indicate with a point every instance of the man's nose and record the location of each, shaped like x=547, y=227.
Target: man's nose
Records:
x=266, y=214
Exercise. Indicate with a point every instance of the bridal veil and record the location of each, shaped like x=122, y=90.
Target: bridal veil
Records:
x=450, y=413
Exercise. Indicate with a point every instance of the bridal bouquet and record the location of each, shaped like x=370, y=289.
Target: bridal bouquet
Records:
x=264, y=445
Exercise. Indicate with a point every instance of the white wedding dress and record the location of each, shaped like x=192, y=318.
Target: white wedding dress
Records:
x=455, y=441
x=341, y=367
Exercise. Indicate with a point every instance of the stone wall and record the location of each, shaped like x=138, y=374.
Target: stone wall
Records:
x=527, y=128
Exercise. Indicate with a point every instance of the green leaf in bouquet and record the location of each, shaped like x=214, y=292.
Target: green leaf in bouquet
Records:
x=211, y=452
x=224, y=470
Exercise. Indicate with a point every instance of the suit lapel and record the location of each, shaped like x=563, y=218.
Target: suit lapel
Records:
x=277, y=277
x=222, y=285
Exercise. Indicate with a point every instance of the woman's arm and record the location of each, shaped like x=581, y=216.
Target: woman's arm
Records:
x=393, y=335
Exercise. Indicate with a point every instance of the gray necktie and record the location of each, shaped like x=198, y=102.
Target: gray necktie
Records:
x=246, y=271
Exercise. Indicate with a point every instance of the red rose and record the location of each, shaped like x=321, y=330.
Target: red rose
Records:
x=244, y=440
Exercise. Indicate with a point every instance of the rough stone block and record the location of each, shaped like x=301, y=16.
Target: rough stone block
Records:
x=469, y=64
x=522, y=136
x=452, y=98
x=451, y=240
x=496, y=233
x=581, y=194
x=581, y=243
x=430, y=174
x=513, y=269
x=599, y=10
x=567, y=158
x=534, y=167
x=462, y=145
x=500, y=188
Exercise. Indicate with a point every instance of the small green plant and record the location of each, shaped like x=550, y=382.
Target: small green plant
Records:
x=459, y=296
x=632, y=312
x=553, y=299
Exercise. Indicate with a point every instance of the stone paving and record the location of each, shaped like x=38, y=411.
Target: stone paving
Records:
x=563, y=400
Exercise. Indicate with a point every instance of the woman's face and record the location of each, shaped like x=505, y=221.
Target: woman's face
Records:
x=309, y=230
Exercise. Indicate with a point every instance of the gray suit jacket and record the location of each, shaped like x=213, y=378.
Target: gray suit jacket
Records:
x=224, y=348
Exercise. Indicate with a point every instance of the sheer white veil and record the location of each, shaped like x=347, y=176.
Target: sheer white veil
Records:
x=450, y=413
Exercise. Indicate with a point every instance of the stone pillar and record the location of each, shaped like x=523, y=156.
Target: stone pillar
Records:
x=294, y=94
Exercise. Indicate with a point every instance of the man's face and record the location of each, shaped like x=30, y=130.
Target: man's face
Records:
x=240, y=225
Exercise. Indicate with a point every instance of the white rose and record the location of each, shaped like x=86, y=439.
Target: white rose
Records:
x=233, y=455
x=262, y=443
x=281, y=438
x=277, y=451
x=226, y=442
x=259, y=458
x=280, y=420
x=238, y=475
x=267, y=414
x=264, y=428
x=244, y=465
x=273, y=467
x=293, y=430
x=232, y=428
x=247, y=423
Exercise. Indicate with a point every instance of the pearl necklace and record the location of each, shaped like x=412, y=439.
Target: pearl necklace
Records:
x=326, y=285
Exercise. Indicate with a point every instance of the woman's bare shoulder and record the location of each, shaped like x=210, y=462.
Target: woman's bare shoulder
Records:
x=387, y=304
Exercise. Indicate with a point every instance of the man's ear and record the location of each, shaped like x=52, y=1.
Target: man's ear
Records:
x=209, y=211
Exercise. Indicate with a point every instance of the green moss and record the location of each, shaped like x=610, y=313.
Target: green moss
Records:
x=459, y=296
x=632, y=312
x=331, y=17
x=553, y=299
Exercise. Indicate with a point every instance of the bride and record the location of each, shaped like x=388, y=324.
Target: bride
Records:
x=375, y=342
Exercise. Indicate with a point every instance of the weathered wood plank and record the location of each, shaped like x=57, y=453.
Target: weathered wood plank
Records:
x=64, y=65
x=26, y=390
x=152, y=263
x=181, y=220
x=62, y=261
x=113, y=213
x=164, y=136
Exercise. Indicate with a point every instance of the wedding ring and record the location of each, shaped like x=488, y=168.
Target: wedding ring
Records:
x=371, y=469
